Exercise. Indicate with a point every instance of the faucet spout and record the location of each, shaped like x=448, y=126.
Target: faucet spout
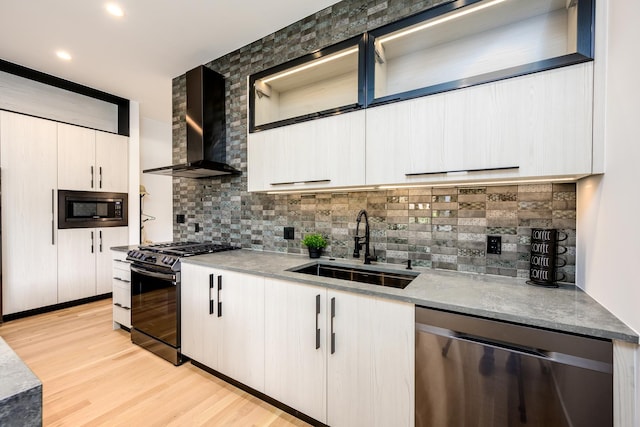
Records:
x=358, y=239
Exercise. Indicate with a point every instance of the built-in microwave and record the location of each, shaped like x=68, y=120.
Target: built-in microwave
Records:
x=87, y=209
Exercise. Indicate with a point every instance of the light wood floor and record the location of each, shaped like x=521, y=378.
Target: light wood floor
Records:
x=93, y=375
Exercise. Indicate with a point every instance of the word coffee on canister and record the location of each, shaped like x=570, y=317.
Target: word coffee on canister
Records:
x=542, y=262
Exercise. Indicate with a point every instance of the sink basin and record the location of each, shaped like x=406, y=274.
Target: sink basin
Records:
x=379, y=277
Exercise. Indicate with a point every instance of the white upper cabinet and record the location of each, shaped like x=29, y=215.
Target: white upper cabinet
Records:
x=324, y=153
x=524, y=127
x=90, y=160
x=112, y=162
x=460, y=93
x=76, y=158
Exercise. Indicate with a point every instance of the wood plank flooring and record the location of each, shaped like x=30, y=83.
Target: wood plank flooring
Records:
x=94, y=376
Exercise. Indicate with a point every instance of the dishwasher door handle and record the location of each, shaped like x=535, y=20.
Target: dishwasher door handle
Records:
x=562, y=358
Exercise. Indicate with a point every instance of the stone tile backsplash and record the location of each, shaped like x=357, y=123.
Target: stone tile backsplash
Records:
x=443, y=228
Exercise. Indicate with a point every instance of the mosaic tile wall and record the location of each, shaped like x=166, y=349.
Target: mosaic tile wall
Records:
x=440, y=227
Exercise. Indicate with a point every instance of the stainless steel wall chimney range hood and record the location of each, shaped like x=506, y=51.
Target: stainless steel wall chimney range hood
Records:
x=206, y=134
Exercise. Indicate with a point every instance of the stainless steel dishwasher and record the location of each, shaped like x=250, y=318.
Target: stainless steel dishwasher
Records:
x=477, y=372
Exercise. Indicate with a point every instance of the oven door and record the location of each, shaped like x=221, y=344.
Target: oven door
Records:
x=155, y=306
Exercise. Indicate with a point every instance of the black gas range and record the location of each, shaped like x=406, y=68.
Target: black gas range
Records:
x=155, y=294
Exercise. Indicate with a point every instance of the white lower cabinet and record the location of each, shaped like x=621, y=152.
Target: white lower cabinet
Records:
x=85, y=262
x=222, y=317
x=200, y=336
x=241, y=313
x=296, y=346
x=276, y=337
x=371, y=361
x=121, y=281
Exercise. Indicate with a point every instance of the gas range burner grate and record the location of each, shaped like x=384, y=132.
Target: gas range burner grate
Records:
x=184, y=249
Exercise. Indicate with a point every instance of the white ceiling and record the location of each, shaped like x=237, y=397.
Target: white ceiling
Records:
x=138, y=55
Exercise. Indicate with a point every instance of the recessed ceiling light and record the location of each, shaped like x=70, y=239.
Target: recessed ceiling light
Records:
x=114, y=9
x=62, y=54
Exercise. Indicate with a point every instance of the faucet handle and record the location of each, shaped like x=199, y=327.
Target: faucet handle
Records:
x=370, y=258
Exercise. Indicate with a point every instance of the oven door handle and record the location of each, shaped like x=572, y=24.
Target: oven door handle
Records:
x=163, y=276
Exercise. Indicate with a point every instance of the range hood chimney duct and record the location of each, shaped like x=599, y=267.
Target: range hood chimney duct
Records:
x=206, y=128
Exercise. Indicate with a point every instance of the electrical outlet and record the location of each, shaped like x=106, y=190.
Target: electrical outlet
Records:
x=197, y=226
x=180, y=219
x=494, y=245
x=289, y=233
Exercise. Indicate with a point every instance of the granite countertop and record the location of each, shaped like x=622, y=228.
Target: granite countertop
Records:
x=20, y=390
x=564, y=309
x=124, y=248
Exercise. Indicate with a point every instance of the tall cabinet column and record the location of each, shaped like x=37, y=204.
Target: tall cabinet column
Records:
x=28, y=161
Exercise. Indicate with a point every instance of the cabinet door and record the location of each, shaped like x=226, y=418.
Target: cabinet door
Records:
x=112, y=166
x=530, y=126
x=426, y=138
x=76, y=158
x=106, y=238
x=77, y=263
x=323, y=153
x=554, y=120
x=296, y=346
x=29, y=213
x=242, y=327
x=200, y=326
x=371, y=366
x=403, y=137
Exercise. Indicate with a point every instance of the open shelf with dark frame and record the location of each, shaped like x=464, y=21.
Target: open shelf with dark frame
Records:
x=38, y=76
x=323, y=83
x=470, y=42
x=454, y=45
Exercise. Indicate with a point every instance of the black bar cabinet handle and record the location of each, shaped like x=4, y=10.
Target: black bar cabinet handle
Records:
x=333, y=334
x=317, y=328
x=211, y=302
x=463, y=170
x=53, y=230
x=100, y=171
x=219, y=302
x=100, y=234
x=91, y=176
x=92, y=242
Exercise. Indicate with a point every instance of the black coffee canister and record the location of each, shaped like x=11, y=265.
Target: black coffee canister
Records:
x=543, y=260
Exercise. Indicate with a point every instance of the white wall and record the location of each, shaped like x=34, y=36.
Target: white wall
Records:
x=155, y=151
x=608, y=250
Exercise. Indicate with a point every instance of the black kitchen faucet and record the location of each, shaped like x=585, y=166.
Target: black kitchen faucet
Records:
x=358, y=239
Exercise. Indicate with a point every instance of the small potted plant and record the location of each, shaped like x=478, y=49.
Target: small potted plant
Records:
x=315, y=242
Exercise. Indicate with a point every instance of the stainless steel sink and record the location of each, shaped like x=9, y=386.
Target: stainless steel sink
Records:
x=371, y=276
